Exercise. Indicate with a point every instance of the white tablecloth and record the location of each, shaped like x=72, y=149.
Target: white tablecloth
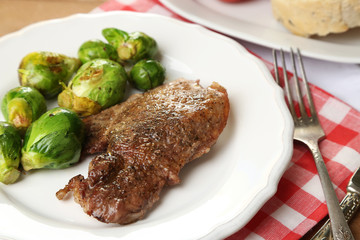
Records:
x=339, y=79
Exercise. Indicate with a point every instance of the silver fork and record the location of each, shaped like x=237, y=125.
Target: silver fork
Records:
x=309, y=131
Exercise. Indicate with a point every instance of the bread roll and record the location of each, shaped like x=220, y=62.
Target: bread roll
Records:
x=317, y=17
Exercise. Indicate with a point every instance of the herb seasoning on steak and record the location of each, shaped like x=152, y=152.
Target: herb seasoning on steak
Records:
x=145, y=141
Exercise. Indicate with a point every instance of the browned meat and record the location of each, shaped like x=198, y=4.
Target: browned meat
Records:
x=147, y=140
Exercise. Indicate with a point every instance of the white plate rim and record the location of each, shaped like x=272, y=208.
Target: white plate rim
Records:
x=268, y=37
x=273, y=178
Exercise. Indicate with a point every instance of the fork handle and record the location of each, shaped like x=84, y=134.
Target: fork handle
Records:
x=339, y=226
x=349, y=206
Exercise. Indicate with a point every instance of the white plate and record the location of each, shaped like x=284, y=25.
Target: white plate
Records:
x=219, y=192
x=252, y=20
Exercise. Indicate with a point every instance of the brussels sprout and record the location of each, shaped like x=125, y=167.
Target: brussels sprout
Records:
x=10, y=147
x=131, y=47
x=93, y=49
x=53, y=141
x=98, y=84
x=23, y=105
x=115, y=37
x=147, y=74
x=45, y=70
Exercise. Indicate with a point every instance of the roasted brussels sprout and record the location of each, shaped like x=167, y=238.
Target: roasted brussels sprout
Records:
x=131, y=47
x=45, y=70
x=94, y=49
x=53, y=141
x=147, y=74
x=10, y=150
x=98, y=84
x=23, y=105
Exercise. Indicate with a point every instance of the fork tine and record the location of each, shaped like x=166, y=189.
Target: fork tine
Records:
x=276, y=67
x=308, y=93
x=287, y=86
x=297, y=87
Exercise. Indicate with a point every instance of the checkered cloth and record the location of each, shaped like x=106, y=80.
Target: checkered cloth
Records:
x=299, y=204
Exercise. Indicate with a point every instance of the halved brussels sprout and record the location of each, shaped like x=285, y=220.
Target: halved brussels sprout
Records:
x=53, y=141
x=147, y=74
x=10, y=152
x=46, y=70
x=23, y=105
x=131, y=47
x=94, y=49
x=98, y=84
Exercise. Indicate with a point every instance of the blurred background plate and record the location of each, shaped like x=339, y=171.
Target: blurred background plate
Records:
x=252, y=20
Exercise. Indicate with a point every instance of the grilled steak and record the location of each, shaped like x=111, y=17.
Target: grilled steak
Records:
x=146, y=140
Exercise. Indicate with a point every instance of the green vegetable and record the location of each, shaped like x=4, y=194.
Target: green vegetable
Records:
x=10, y=147
x=23, y=105
x=53, y=141
x=147, y=74
x=46, y=70
x=131, y=47
x=98, y=84
x=93, y=49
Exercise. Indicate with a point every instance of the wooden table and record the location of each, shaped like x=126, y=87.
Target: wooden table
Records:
x=16, y=14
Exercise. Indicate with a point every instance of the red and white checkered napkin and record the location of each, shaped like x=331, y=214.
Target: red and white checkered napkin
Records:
x=299, y=204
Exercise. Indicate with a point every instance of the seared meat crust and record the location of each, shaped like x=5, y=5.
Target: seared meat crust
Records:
x=147, y=140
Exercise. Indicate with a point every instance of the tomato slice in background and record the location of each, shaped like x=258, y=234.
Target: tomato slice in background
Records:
x=232, y=1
